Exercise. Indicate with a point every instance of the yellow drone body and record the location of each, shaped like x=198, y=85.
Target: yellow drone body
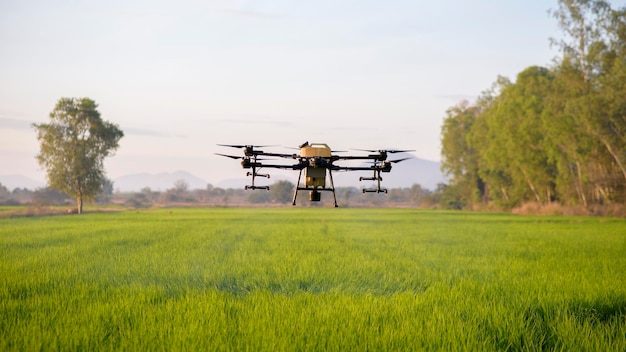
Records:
x=315, y=175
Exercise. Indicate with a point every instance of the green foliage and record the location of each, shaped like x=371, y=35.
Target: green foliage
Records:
x=106, y=191
x=259, y=197
x=282, y=191
x=138, y=201
x=459, y=156
x=555, y=134
x=312, y=279
x=73, y=147
x=49, y=196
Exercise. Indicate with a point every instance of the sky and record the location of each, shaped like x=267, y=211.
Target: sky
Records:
x=179, y=77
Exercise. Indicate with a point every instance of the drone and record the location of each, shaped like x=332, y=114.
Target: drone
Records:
x=315, y=160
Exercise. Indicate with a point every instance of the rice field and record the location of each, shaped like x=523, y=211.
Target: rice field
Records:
x=312, y=279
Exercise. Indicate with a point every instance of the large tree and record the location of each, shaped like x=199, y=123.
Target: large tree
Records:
x=513, y=161
x=73, y=147
x=591, y=71
x=556, y=134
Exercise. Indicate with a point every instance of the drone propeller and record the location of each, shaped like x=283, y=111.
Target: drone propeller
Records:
x=398, y=160
x=240, y=157
x=391, y=151
x=239, y=146
x=230, y=156
x=386, y=161
x=399, y=151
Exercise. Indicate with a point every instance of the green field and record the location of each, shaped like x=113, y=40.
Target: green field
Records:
x=312, y=279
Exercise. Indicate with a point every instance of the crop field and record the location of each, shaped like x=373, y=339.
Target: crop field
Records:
x=312, y=279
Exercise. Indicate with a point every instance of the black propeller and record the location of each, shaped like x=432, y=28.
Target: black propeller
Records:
x=244, y=146
x=398, y=160
x=379, y=162
x=230, y=156
x=391, y=151
x=239, y=157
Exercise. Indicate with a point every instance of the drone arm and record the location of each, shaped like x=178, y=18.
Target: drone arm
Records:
x=375, y=157
x=279, y=155
x=354, y=168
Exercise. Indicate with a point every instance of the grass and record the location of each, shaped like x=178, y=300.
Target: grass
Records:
x=312, y=279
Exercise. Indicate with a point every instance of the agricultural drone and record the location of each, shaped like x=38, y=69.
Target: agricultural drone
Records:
x=315, y=160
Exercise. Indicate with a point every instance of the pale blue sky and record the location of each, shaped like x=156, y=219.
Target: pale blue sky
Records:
x=181, y=76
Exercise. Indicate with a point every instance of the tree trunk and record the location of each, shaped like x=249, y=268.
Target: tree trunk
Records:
x=532, y=187
x=79, y=204
x=579, y=185
x=615, y=156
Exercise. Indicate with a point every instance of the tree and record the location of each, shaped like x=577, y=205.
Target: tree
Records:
x=73, y=147
x=49, y=196
x=106, y=191
x=513, y=161
x=459, y=157
x=556, y=134
x=4, y=192
x=592, y=71
x=179, y=193
x=259, y=197
x=282, y=191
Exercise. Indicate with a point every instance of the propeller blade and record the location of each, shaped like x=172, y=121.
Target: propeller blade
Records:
x=244, y=146
x=386, y=161
x=398, y=151
x=399, y=160
x=232, y=145
x=229, y=156
x=391, y=151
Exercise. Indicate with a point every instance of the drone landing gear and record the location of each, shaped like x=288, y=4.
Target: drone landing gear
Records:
x=252, y=187
x=314, y=193
x=374, y=190
x=254, y=175
x=376, y=178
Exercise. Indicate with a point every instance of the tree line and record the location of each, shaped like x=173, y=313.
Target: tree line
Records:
x=556, y=134
x=280, y=194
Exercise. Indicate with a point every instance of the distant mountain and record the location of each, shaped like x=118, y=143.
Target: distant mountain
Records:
x=157, y=182
x=12, y=182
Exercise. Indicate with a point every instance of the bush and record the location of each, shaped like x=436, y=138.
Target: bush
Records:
x=138, y=201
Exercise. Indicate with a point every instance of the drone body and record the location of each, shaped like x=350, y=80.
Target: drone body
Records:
x=316, y=160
